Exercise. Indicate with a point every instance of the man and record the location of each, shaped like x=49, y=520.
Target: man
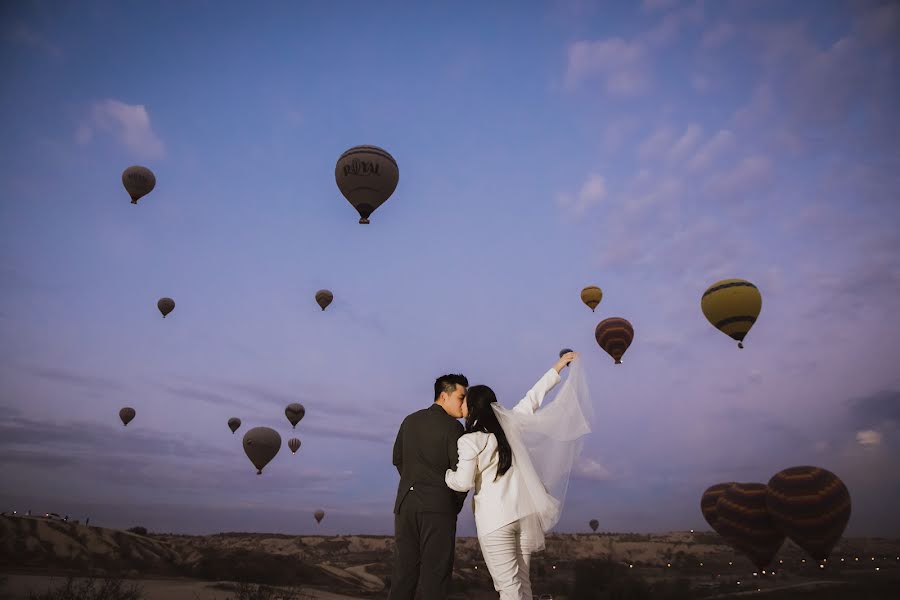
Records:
x=425, y=510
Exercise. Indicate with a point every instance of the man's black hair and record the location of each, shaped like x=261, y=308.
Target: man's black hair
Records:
x=448, y=383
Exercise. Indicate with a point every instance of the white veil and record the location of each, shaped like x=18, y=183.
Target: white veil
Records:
x=545, y=446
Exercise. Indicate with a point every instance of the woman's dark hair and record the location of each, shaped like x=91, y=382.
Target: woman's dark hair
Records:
x=482, y=418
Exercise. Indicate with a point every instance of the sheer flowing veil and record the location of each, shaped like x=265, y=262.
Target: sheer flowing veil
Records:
x=545, y=446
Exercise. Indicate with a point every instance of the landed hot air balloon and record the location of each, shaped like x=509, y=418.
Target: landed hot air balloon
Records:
x=592, y=295
x=614, y=335
x=744, y=522
x=261, y=444
x=127, y=414
x=319, y=515
x=233, y=424
x=366, y=176
x=294, y=445
x=708, y=502
x=594, y=524
x=324, y=298
x=165, y=306
x=811, y=506
x=732, y=306
x=138, y=182
x=294, y=413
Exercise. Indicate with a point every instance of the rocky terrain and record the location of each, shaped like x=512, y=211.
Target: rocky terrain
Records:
x=359, y=566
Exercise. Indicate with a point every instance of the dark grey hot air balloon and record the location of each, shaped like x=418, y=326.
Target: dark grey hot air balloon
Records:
x=294, y=413
x=366, y=176
x=165, y=306
x=127, y=414
x=319, y=515
x=324, y=298
x=138, y=182
x=233, y=424
x=294, y=445
x=261, y=444
x=594, y=524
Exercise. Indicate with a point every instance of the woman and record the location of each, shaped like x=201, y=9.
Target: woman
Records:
x=513, y=473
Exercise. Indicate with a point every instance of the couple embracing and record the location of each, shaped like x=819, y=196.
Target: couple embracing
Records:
x=517, y=461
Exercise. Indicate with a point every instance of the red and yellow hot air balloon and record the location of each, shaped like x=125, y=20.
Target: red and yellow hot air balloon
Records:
x=614, y=335
x=811, y=506
x=732, y=306
x=744, y=522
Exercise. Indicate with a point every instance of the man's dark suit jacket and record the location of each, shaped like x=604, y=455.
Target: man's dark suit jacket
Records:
x=425, y=448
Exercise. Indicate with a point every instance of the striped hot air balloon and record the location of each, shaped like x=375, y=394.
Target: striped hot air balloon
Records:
x=324, y=298
x=743, y=520
x=294, y=445
x=614, y=335
x=294, y=413
x=708, y=502
x=732, y=306
x=811, y=506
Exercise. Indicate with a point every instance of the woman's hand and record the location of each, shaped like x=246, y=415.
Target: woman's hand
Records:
x=564, y=361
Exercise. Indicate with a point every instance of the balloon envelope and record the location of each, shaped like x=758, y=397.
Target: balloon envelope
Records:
x=165, y=306
x=594, y=524
x=743, y=520
x=233, y=424
x=138, y=181
x=592, y=295
x=261, y=444
x=127, y=414
x=811, y=506
x=294, y=413
x=319, y=515
x=614, y=335
x=294, y=445
x=732, y=306
x=324, y=298
x=366, y=176
x=708, y=502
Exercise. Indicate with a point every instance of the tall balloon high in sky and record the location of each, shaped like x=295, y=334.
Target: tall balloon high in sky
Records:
x=319, y=515
x=366, y=176
x=261, y=444
x=127, y=414
x=165, y=306
x=811, y=506
x=138, y=182
x=233, y=424
x=732, y=306
x=324, y=298
x=591, y=296
x=294, y=413
x=294, y=445
x=614, y=335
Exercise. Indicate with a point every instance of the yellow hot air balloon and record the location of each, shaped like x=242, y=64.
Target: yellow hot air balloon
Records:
x=732, y=306
x=592, y=295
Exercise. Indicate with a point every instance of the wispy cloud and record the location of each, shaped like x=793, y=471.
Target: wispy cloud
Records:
x=592, y=193
x=591, y=470
x=20, y=33
x=69, y=377
x=622, y=66
x=128, y=124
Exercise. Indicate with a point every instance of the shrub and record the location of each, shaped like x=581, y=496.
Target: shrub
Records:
x=90, y=589
x=138, y=530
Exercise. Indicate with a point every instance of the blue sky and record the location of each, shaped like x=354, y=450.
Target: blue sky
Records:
x=648, y=148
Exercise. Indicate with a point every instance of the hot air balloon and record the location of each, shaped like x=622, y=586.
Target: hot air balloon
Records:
x=138, y=182
x=127, y=414
x=614, y=335
x=294, y=445
x=594, y=524
x=319, y=515
x=294, y=412
x=732, y=306
x=811, y=506
x=592, y=295
x=261, y=444
x=743, y=521
x=233, y=424
x=324, y=298
x=708, y=502
x=366, y=176
x=165, y=306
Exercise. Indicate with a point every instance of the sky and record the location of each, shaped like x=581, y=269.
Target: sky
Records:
x=650, y=148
